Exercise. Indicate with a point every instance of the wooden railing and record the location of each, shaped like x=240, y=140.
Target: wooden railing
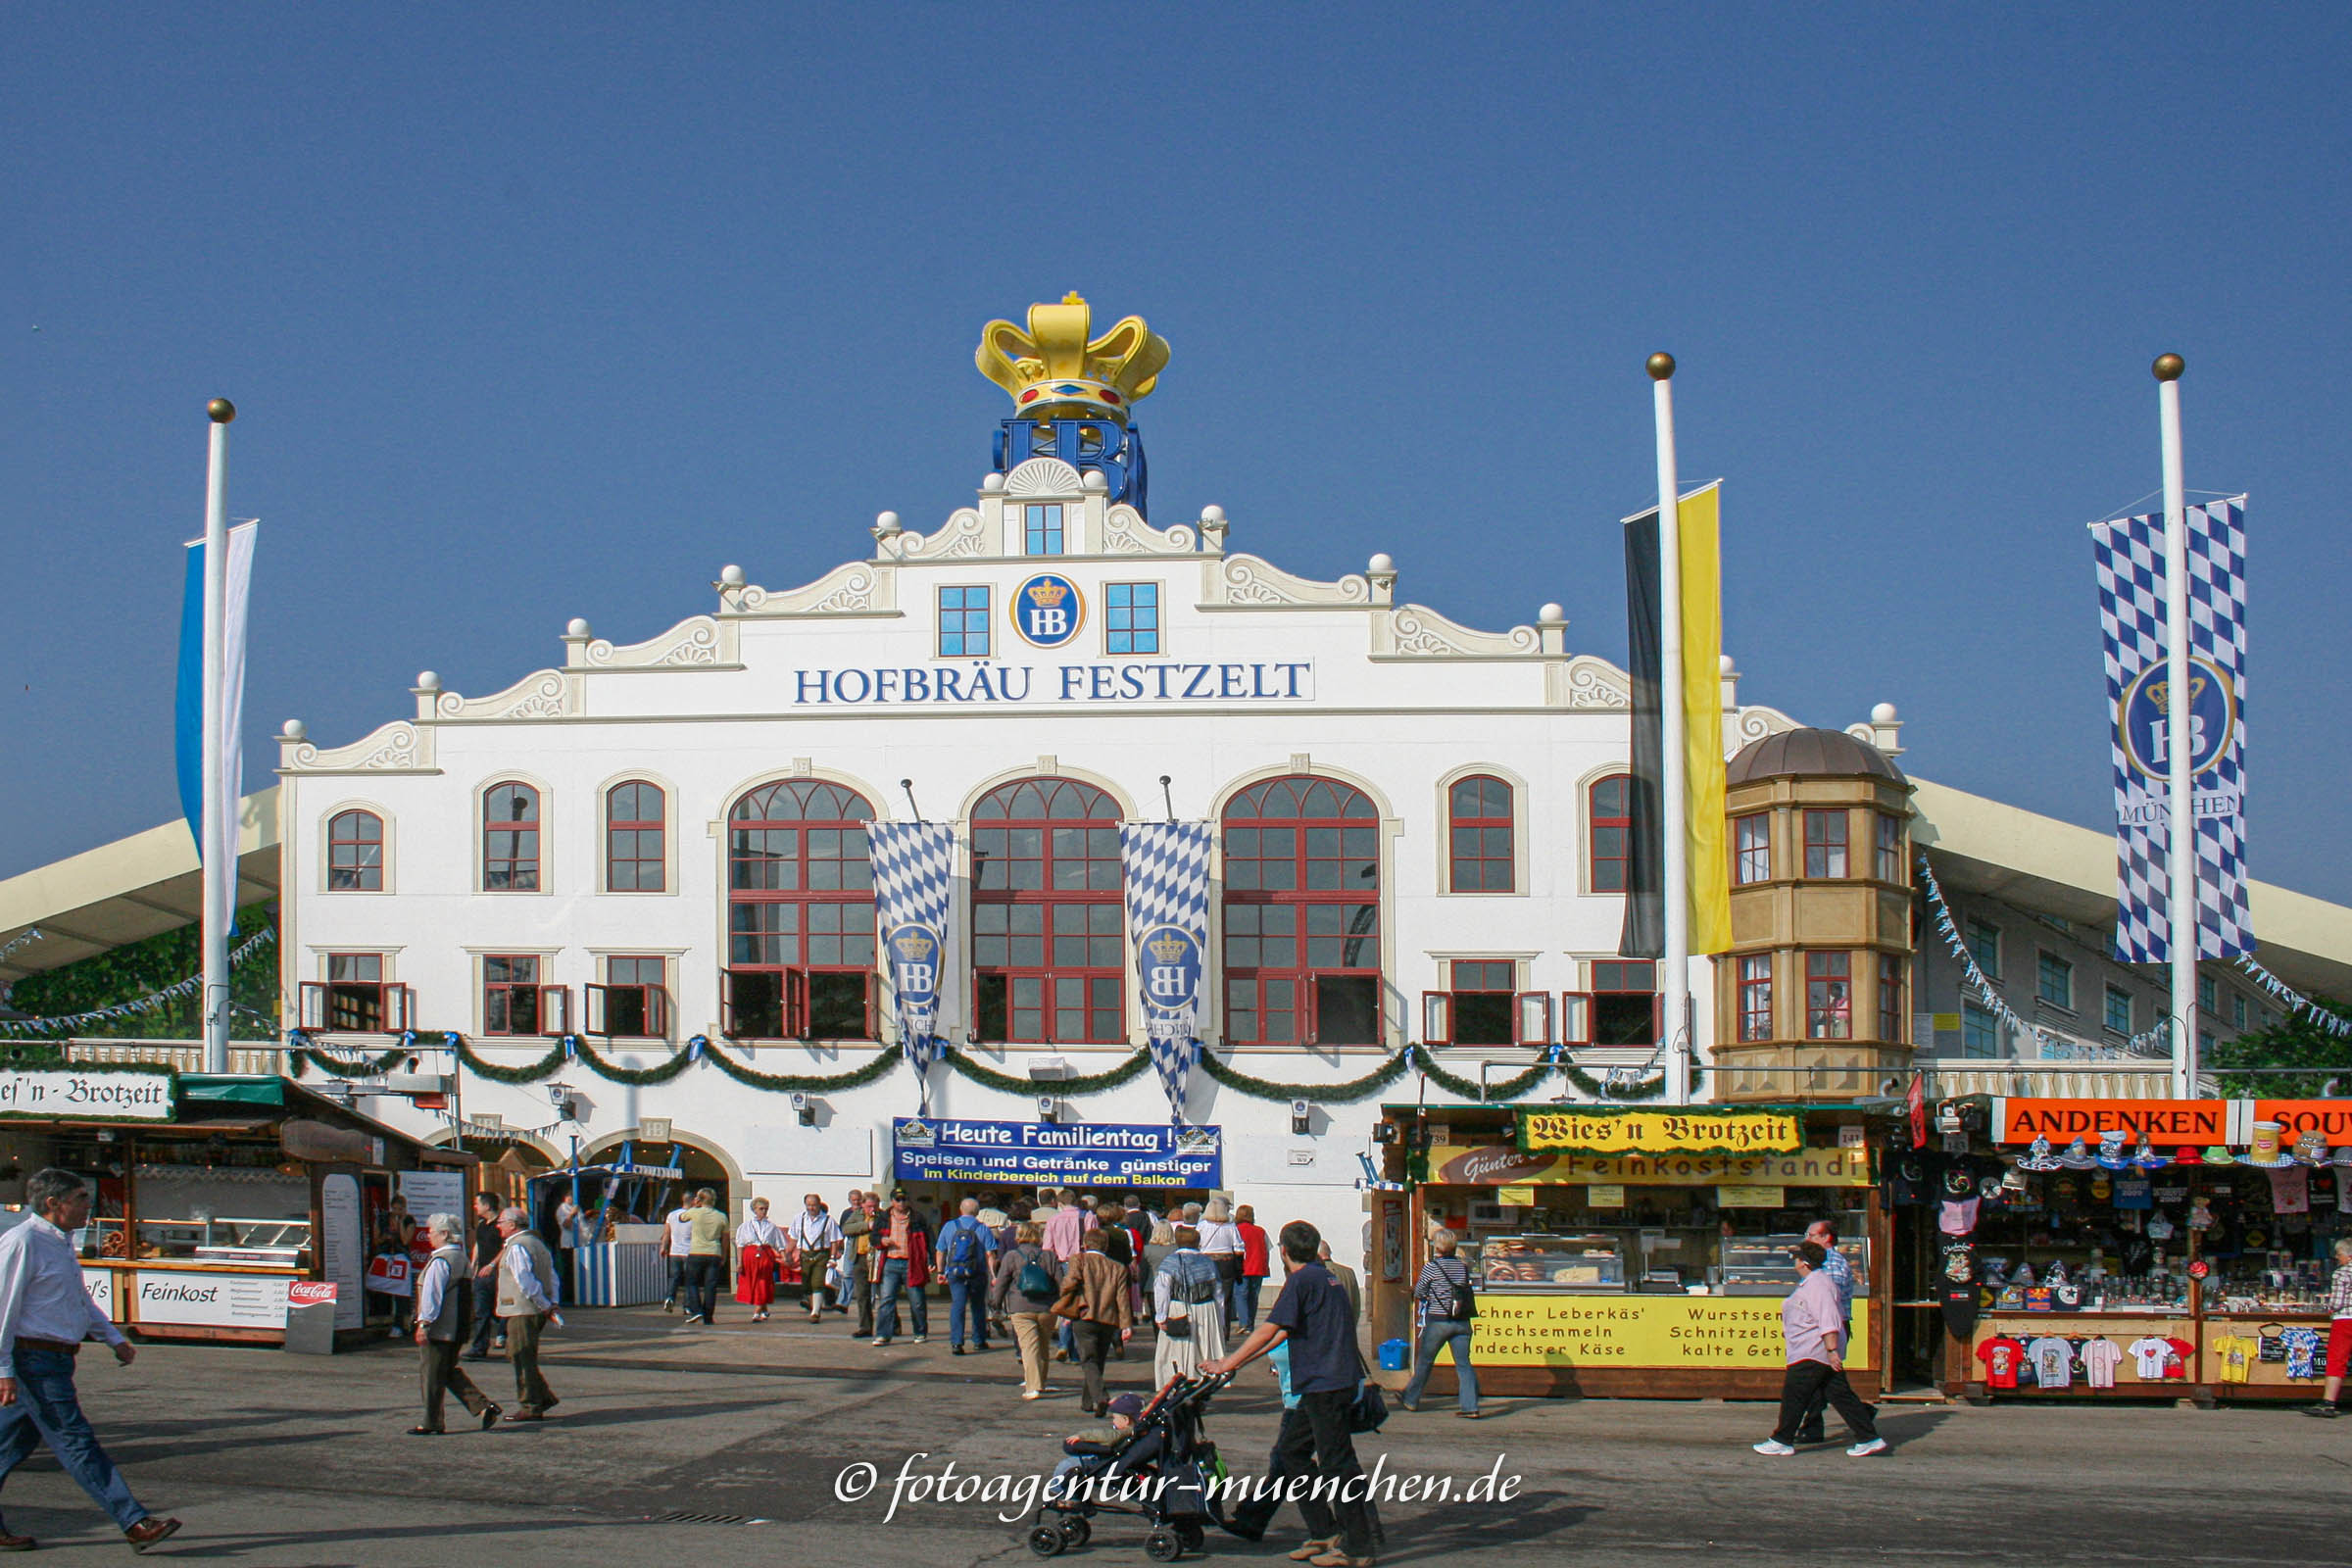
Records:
x=186, y=1055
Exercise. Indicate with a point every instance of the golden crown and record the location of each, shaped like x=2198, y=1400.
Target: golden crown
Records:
x=1049, y=594
x=1168, y=948
x=912, y=945
x=1054, y=371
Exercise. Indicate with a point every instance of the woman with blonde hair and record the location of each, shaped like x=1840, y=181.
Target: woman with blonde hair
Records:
x=1028, y=1278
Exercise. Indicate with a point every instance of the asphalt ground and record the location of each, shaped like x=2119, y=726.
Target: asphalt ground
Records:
x=728, y=1444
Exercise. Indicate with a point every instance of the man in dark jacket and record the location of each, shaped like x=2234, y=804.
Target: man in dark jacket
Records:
x=484, y=1278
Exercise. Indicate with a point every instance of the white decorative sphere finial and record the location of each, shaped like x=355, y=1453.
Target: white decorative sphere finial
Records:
x=577, y=628
x=427, y=681
x=1552, y=616
x=1384, y=561
x=1724, y=665
x=1884, y=713
x=295, y=729
x=886, y=523
x=1212, y=512
x=992, y=485
x=730, y=576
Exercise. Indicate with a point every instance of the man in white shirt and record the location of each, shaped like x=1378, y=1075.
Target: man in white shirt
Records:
x=526, y=1304
x=816, y=1242
x=678, y=1247
x=45, y=1314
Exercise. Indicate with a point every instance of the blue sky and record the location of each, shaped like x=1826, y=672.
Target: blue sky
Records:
x=535, y=313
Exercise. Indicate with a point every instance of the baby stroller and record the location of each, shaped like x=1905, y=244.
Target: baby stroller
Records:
x=1161, y=1472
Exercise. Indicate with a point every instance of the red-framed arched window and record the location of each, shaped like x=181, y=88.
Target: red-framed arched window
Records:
x=800, y=915
x=355, y=853
x=633, y=832
x=1301, y=914
x=1609, y=819
x=1049, y=956
x=1478, y=835
x=510, y=838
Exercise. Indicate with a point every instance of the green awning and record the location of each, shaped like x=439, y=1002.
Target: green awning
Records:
x=224, y=1090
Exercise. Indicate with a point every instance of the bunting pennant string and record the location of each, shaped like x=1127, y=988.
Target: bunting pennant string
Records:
x=2149, y=1044
x=138, y=1005
x=2335, y=1024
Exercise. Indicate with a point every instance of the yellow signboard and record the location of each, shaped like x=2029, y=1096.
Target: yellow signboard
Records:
x=1598, y=1195
x=1752, y=1198
x=1500, y=1164
x=1637, y=1331
x=1663, y=1132
x=1515, y=1194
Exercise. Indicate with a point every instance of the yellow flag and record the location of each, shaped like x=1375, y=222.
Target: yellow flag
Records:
x=1705, y=832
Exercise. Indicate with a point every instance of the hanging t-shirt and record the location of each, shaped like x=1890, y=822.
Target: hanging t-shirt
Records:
x=2100, y=1358
x=1959, y=1215
x=2176, y=1365
x=2001, y=1356
x=2302, y=1352
x=2148, y=1356
x=2053, y=1361
x=2134, y=1192
x=2290, y=1191
x=2233, y=1355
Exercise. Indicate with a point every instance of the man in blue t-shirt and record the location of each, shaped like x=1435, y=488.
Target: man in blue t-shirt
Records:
x=1315, y=1318
x=963, y=1248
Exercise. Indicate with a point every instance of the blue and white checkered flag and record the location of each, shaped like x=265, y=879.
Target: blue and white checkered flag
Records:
x=2132, y=616
x=1166, y=865
x=912, y=865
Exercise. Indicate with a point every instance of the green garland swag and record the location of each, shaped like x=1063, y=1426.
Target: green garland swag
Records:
x=1371, y=1083
x=806, y=1083
x=366, y=1068
x=1507, y=1089
x=1415, y=1058
x=1093, y=1083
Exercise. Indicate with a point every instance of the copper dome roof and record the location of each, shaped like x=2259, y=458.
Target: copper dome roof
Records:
x=1812, y=754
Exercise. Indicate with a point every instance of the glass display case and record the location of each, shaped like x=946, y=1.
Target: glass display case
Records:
x=1759, y=1265
x=207, y=1214
x=1535, y=1262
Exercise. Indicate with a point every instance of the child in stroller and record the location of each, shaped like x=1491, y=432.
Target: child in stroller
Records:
x=1155, y=1464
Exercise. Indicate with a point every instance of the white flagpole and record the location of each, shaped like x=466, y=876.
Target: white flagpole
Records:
x=2181, y=877
x=219, y=881
x=1673, y=871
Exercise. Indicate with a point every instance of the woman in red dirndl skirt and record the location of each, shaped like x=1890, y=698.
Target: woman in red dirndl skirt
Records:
x=762, y=1242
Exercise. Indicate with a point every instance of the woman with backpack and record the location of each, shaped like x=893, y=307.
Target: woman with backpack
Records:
x=1447, y=1300
x=1028, y=1279
x=1187, y=1303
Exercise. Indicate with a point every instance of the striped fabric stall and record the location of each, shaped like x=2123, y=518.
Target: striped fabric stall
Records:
x=624, y=1273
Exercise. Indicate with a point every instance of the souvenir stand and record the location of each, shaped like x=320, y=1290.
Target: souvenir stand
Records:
x=219, y=1197
x=2140, y=1248
x=1626, y=1250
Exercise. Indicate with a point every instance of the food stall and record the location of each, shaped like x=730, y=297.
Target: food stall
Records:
x=2191, y=1236
x=216, y=1195
x=617, y=1254
x=1636, y=1251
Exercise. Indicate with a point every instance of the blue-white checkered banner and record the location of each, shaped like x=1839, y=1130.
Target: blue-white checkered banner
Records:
x=2142, y=707
x=1166, y=865
x=913, y=863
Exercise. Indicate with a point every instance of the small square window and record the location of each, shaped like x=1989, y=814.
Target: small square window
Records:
x=2209, y=993
x=2054, y=981
x=963, y=622
x=1825, y=844
x=1753, y=844
x=2237, y=1012
x=1041, y=528
x=1979, y=1032
x=1131, y=617
x=1984, y=946
x=2119, y=1010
